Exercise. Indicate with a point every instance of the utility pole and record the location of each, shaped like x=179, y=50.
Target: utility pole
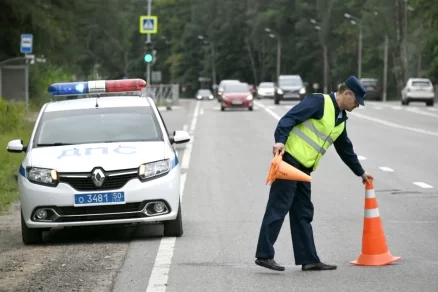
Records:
x=385, y=68
x=148, y=40
x=359, y=73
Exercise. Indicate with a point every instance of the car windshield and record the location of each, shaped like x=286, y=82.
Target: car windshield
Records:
x=290, y=82
x=421, y=83
x=369, y=82
x=98, y=125
x=204, y=91
x=236, y=88
x=267, y=84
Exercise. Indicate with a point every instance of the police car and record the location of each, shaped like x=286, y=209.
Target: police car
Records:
x=104, y=158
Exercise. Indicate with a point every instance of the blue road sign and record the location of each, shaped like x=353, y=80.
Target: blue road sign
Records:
x=148, y=24
x=26, y=43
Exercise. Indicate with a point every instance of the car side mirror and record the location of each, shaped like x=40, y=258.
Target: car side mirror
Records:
x=180, y=137
x=16, y=146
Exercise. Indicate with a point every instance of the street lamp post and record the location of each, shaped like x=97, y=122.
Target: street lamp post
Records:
x=213, y=58
x=275, y=35
x=325, y=56
x=355, y=20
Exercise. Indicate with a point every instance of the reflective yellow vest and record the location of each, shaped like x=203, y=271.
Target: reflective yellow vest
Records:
x=308, y=141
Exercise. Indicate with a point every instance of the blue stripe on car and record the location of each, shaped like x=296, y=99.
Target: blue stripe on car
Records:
x=22, y=171
x=174, y=162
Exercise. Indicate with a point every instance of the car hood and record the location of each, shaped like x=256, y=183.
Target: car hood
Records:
x=109, y=156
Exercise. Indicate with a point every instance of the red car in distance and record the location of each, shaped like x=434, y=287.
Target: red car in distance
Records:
x=237, y=95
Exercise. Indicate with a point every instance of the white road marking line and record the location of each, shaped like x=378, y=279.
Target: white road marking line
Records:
x=361, y=157
x=277, y=117
x=384, y=168
x=377, y=107
x=160, y=271
x=271, y=106
x=432, y=109
x=394, y=125
x=396, y=108
x=418, y=111
x=423, y=185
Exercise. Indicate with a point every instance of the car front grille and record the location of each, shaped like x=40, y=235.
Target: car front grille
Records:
x=113, y=180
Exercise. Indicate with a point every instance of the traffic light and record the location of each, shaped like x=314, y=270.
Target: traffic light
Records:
x=148, y=57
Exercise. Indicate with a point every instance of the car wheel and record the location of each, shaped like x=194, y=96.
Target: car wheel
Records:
x=276, y=101
x=30, y=235
x=250, y=108
x=404, y=102
x=430, y=103
x=222, y=107
x=174, y=228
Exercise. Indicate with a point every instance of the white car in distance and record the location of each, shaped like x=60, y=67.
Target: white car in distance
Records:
x=104, y=158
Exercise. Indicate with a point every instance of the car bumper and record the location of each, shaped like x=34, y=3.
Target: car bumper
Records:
x=290, y=95
x=59, y=202
x=422, y=97
x=235, y=103
x=265, y=95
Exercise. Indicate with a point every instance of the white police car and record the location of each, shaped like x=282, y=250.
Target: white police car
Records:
x=99, y=160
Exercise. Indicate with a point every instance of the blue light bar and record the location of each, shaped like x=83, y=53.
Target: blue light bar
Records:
x=69, y=88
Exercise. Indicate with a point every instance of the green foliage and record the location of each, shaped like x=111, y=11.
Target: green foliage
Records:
x=101, y=39
x=12, y=126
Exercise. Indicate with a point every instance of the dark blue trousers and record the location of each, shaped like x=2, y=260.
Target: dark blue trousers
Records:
x=293, y=197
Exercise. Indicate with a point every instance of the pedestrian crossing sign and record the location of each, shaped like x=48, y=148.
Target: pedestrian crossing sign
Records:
x=148, y=24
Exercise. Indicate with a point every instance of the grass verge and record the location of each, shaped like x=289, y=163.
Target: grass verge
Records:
x=10, y=163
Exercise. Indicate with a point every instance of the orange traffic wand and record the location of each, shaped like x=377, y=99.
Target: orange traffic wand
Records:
x=374, y=249
x=282, y=170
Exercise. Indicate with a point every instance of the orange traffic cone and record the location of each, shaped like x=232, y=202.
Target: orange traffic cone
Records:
x=374, y=249
x=282, y=170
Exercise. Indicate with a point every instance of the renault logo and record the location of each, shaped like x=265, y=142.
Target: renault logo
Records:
x=98, y=177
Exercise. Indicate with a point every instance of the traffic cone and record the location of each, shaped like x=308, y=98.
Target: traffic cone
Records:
x=374, y=249
x=282, y=170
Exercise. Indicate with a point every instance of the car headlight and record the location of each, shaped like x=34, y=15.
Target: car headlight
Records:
x=279, y=91
x=249, y=97
x=42, y=176
x=153, y=169
x=199, y=97
x=211, y=96
x=303, y=90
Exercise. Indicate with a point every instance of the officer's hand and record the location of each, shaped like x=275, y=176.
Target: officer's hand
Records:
x=278, y=148
x=365, y=177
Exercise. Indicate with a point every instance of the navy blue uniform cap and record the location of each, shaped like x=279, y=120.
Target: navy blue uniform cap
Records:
x=359, y=91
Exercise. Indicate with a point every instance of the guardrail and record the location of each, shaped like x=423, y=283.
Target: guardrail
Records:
x=163, y=94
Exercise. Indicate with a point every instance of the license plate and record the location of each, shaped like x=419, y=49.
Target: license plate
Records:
x=110, y=198
x=236, y=102
x=291, y=95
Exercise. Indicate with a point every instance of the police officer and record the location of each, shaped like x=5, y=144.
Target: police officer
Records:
x=302, y=137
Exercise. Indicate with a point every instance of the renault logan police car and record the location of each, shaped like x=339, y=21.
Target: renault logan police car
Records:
x=99, y=160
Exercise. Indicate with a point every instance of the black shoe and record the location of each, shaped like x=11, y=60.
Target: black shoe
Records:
x=318, y=267
x=269, y=263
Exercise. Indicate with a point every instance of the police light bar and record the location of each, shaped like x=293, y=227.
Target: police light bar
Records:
x=97, y=86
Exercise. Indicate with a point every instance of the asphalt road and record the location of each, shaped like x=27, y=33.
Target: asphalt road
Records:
x=224, y=199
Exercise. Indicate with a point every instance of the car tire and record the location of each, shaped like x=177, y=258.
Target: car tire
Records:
x=430, y=103
x=174, y=228
x=276, y=101
x=30, y=235
x=250, y=108
x=222, y=107
x=405, y=102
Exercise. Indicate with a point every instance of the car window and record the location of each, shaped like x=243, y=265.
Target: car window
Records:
x=236, y=88
x=369, y=82
x=267, y=84
x=290, y=82
x=98, y=126
x=204, y=91
x=421, y=84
